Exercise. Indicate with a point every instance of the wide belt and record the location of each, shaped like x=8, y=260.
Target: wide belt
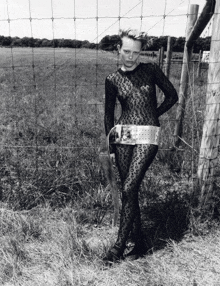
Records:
x=134, y=134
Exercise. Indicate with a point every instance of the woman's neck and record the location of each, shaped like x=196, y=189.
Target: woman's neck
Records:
x=124, y=68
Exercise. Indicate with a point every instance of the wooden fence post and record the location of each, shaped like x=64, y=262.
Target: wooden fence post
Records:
x=199, y=64
x=193, y=13
x=203, y=20
x=161, y=57
x=208, y=158
x=169, y=56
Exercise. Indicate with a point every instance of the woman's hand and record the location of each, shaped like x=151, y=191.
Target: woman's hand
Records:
x=112, y=156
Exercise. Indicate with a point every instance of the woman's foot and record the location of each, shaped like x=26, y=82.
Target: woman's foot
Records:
x=113, y=255
x=137, y=252
x=134, y=254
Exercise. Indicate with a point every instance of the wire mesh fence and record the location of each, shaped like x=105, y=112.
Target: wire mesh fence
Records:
x=52, y=104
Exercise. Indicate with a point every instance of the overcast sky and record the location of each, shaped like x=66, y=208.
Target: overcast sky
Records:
x=147, y=15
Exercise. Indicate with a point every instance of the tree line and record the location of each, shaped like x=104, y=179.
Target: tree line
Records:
x=37, y=43
x=107, y=43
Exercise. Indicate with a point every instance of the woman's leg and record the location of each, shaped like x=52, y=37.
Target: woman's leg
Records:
x=133, y=162
x=142, y=158
x=123, y=158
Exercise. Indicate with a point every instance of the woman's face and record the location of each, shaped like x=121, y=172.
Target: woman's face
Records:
x=129, y=53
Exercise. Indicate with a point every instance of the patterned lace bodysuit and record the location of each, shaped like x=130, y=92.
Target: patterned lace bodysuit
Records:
x=136, y=92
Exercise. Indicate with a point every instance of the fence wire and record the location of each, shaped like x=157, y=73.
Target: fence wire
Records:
x=52, y=107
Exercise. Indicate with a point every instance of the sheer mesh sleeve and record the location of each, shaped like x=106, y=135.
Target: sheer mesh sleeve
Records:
x=167, y=88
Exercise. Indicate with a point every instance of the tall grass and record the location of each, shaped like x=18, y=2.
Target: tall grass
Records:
x=48, y=247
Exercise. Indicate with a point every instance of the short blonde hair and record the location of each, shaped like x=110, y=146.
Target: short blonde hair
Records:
x=134, y=35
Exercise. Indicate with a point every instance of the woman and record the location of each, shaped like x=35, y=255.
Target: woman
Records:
x=134, y=139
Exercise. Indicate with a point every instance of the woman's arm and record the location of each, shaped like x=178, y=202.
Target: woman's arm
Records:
x=167, y=88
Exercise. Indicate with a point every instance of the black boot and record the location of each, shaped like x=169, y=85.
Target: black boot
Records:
x=139, y=250
x=113, y=255
x=140, y=247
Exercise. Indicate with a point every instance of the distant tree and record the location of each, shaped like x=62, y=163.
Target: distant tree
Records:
x=206, y=44
x=16, y=42
x=198, y=45
x=6, y=41
x=46, y=43
x=60, y=43
x=162, y=40
x=202, y=44
x=1, y=39
x=109, y=43
x=31, y=42
x=149, y=44
x=25, y=42
x=105, y=43
x=178, y=45
x=93, y=46
x=115, y=41
x=67, y=43
x=38, y=43
x=85, y=44
x=76, y=44
x=55, y=43
x=154, y=44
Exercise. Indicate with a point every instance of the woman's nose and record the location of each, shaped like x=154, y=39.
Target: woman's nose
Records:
x=130, y=56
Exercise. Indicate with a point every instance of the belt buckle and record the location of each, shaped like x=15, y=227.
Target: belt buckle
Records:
x=128, y=134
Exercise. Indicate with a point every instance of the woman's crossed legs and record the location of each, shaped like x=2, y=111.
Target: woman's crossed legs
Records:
x=132, y=162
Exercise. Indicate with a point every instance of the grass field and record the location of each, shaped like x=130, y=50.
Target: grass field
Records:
x=55, y=209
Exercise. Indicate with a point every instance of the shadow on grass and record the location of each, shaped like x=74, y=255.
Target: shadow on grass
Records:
x=165, y=219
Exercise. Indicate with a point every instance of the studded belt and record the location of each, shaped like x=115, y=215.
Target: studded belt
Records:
x=134, y=134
